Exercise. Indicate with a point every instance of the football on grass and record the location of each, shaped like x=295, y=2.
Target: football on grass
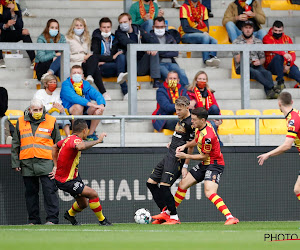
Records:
x=142, y=216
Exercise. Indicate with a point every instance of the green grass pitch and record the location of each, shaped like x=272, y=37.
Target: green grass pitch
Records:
x=208, y=235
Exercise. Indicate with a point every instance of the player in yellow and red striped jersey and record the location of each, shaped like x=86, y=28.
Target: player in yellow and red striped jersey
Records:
x=292, y=117
x=211, y=164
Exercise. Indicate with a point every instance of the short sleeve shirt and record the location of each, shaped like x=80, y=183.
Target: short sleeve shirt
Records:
x=293, y=126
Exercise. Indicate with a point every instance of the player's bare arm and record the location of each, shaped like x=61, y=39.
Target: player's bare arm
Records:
x=88, y=144
x=55, y=151
x=189, y=144
x=197, y=157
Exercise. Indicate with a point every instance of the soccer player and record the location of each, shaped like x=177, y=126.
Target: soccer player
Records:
x=292, y=117
x=66, y=154
x=209, y=169
x=169, y=169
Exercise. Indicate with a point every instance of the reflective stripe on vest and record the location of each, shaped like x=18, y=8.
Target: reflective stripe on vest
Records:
x=40, y=145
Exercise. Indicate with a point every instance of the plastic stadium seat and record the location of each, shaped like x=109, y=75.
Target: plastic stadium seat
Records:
x=278, y=127
x=220, y=34
x=282, y=5
x=248, y=125
x=165, y=131
x=234, y=75
x=11, y=112
x=229, y=125
x=62, y=132
x=139, y=79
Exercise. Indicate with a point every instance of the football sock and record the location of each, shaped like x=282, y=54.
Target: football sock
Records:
x=219, y=203
x=298, y=196
x=174, y=217
x=157, y=195
x=97, y=208
x=179, y=196
x=74, y=209
x=169, y=199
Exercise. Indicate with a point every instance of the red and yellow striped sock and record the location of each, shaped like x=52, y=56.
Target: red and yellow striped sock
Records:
x=74, y=209
x=179, y=196
x=97, y=208
x=219, y=203
x=298, y=196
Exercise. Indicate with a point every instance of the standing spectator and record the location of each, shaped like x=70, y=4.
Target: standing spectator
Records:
x=105, y=48
x=167, y=60
x=50, y=97
x=3, y=109
x=129, y=33
x=175, y=4
x=194, y=29
x=281, y=63
x=166, y=96
x=11, y=28
x=31, y=153
x=76, y=95
x=207, y=4
x=257, y=60
x=143, y=12
x=45, y=59
x=240, y=11
x=79, y=39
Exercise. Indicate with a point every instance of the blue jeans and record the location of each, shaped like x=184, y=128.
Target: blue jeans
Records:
x=55, y=67
x=233, y=32
x=200, y=38
x=166, y=67
x=61, y=123
x=147, y=25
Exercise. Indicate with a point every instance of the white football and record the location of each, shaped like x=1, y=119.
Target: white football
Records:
x=142, y=216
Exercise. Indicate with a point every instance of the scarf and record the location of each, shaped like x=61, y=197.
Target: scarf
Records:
x=77, y=87
x=5, y=3
x=197, y=15
x=244, y=5
x=208, y=99
x=174, y=95
x=143, y=10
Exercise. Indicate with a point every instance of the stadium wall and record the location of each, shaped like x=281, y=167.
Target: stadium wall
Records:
x=252, y=192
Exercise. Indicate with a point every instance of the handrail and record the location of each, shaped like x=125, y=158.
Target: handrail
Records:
x=122, y=119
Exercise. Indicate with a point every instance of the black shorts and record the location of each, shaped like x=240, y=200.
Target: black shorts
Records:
x=210, y=172
x=168, y=170
x=73, y=187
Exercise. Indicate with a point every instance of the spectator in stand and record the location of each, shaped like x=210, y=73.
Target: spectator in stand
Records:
x=143, y=12
x=111, y=61
x=11, y=28
x=257, y=60
x=147, y=62
x=167, y=60
x=166, y=96
x=281, y=63
x=240, y=11
x=207, y=4
x=201, y=95
x=194, y=29
x=175, y=4
x=3, y=109
x=76, y=95
x=25, y=11
x=45, y=59
x=50, y=97
x=79, y=39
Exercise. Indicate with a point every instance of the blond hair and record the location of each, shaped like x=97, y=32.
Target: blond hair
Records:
x=48, y=78
x=194, y=82
x=182, y=101
x=86, y=33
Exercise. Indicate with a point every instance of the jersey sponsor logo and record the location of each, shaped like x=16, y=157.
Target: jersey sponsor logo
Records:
x=77, y=141
x=77, y=185
x=207, y=140
x=177, y=135
x=180, y=128
x=208, y=174
x=44, y=130
x=292, y=123
x=207, y=147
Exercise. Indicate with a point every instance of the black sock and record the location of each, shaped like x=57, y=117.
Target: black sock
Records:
x=157, y=195
x=169, y=199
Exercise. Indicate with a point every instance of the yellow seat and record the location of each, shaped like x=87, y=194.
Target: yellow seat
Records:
x=146, y=78
x=62, y=132
x=220, y=34
x=11, y=112
x=282, y=5
x=248, y=125
x=229, y=126
x=278, y=127
x=165, y=131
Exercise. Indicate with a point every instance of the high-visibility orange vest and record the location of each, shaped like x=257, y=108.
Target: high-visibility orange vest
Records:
x=39, y=145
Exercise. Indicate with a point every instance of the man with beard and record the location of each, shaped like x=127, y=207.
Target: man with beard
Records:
x=257, y=59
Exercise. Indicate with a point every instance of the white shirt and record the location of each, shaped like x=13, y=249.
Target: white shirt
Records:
x=46, y=99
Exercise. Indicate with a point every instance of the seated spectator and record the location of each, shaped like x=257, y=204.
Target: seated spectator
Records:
x=167, y=61
x=76, y=95
x=105, y=48
x=79, y=39
x=202, y=96
x=166, y=96
x=194, y=29
x=143, y=12
x=50, y=97
x=281, y=63
x=25, y=11
x=11, y=28
x=240, y=11
x=257, y=60
x=128, y=33
x=46, y=59
x=175, y=4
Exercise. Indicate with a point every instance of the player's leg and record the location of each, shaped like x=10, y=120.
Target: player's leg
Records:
x=80, y=204
x=297, y=188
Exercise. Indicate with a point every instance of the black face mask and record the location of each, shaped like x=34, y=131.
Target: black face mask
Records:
x=277, y=35
x=147, y=1
x=247, y=37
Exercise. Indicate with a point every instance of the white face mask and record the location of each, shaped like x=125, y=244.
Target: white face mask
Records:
x=159, y=32
x=78, y=32
x=105, y=35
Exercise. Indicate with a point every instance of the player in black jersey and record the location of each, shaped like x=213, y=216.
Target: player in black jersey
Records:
x=169, y=169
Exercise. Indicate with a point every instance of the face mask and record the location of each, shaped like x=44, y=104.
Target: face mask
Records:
x=195, y=1
x=248, y=2
x=78, y=32
x=159, y=32
x=247, y=37
x=201, y=85
x=172, y=84
x=76, y=78
x=53, y=32
x=51, y=87
x=277, y=36
x=105, y=35
x=124, y=27
x=147, y=1
x=37, y=116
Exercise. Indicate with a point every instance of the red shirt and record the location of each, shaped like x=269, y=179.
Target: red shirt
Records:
x=68, y=159
x=293, y=126
x=208, y=143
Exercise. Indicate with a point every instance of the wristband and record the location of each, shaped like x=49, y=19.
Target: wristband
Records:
x=185, y=165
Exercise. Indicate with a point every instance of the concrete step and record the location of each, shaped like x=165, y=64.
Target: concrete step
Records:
x=136, y=126
x=15, y=73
